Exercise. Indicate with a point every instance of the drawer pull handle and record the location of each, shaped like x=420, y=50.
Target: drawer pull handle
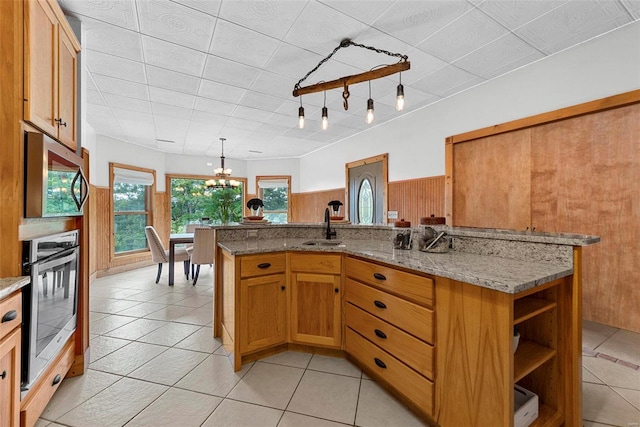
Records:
x=379, y=276
x=4, y=375
x=380, y=304
x=336, y=290
x=283, y=287
x=9, y=316
x=380, y=334
x=380, y=363
x=264, y=265
x=56, y=380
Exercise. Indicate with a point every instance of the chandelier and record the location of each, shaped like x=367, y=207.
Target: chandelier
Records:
x=343, y=82
x=222, y=174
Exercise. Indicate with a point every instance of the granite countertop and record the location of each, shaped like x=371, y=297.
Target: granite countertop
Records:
x=9, y=285
x=501, y=274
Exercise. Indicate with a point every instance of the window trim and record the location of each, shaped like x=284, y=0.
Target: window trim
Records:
x=279, y=178
x=112, y=214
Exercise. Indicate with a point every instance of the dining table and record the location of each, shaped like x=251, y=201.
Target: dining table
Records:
x=176, y=239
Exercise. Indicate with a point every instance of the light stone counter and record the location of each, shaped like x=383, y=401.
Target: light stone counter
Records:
x=9, y=285
x=489, y=271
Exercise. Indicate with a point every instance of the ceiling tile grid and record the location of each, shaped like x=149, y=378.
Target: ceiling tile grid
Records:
x=191, y=71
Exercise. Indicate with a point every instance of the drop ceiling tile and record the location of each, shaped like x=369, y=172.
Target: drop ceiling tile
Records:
x=173, y=57
x=501, y=56
x=366, y=11
x=136, y=129
x=210, y=7
x=241, y=44
x=209, y=127
x=261, y=101
x=145, y=141
x=111, y=39
x=270, y=129
x=632, y=6
x=414, y=21
x=127, y=103
x=121, y=87
x=273, y=18
x=284, y=120
x=132, y=115
x=472, y=31
x=252, y=114
x=173, y=80
x=213, y=106
x=290, y=108
x=413, y=97
x=176, y=23
x=199, y=116
x=106, y=126
x=273, y=84
x=100, y=111
x=572, y=23
x=117, y=12
x=292, y=61
x=165, y=96
x=171, y=111
x=320, y=28
x=422, y=64
x=88, y=81
x=516, y=13
x=364, y=59
x=240, y=123
x=447, y=81
x=224, y=71
x=94, y=97
x=113, y=66
x=171, y=130
x=220, y=91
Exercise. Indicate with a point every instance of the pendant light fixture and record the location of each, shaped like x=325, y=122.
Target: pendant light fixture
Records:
x=400, y=95
x=325, y=113
x=370, y=117
x=301, y=115
x=222, y=174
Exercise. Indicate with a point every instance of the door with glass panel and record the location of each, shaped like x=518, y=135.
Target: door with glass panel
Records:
x=366, y=194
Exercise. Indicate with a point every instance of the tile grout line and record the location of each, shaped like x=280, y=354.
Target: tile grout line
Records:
x=613, y=359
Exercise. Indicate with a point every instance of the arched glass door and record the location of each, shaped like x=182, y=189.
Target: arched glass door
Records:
x=365, y=202
x=366, y=193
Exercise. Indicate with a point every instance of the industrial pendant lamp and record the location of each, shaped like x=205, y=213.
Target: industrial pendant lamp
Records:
x=370, y=117
x=301, y=116
x=222, y=174
x=400, y=96
x=325, y=113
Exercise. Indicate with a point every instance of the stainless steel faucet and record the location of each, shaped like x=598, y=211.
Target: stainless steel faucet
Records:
x=327, y=220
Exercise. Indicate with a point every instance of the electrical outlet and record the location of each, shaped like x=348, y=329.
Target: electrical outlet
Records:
x=392, y=215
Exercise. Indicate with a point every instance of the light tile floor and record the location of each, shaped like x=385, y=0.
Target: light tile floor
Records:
x=154, y=363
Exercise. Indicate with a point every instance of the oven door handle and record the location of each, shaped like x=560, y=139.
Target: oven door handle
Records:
x=83, y=194
x=64, y=258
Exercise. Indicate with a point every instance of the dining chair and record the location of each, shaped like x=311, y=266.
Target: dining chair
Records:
x=161, y=255
x=202, y=251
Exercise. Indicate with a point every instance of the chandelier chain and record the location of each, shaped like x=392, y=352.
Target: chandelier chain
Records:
x=346, y=43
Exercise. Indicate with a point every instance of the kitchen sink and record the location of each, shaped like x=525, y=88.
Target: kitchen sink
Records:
x=321, y=242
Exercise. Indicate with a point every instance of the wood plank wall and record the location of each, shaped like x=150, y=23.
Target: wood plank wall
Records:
x=309, y=207
x=416, y=198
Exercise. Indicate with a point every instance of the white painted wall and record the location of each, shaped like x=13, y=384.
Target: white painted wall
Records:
x=273, y=167
x=602, y=67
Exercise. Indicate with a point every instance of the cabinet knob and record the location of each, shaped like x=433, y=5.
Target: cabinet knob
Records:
x=9, y=316
x=379, y=276
x=336, y=290
x=56, y=380
x=3, y=375
x=283, y=287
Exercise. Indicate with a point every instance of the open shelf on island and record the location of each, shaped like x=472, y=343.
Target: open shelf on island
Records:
x=547, y=417
x=528, y=307
x=528, y=357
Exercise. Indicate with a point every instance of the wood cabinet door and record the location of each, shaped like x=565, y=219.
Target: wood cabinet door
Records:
x=41, y=64
x=492, y=181
x=315, y=309
x=263, y=312
x=10, y=380
x=67, y=94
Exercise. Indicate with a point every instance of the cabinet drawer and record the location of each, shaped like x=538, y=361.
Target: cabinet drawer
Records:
x=410, y=317
x=10, y=313
x=412, y=286
x=39, y=396
x=315, y=263
x=259, y=265
x=409, y=383
x=415, y=353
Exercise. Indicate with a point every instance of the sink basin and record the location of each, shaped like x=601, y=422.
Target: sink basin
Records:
x=321, y=242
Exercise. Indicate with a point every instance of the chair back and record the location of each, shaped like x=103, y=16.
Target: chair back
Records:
x=203, y=245
x=158, y=253
x=191, y=228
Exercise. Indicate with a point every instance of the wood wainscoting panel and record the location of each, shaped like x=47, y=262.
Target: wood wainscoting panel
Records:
x=309, y=207
x=100, y=200
x=417, y=198
x=162, y=215
x=586, y=179
x=491, y=181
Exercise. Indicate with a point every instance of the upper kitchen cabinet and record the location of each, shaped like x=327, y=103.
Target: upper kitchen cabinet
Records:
x=50, y=84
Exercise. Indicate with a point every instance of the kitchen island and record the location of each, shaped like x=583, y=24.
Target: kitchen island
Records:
x=435, y=329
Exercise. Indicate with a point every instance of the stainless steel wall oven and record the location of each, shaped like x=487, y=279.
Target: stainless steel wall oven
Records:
x=49, y=302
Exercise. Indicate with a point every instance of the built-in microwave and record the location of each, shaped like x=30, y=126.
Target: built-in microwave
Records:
x=55, y=184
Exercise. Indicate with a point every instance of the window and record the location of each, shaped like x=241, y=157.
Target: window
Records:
x=275, y=193
x=131, y=195
x=193, y=203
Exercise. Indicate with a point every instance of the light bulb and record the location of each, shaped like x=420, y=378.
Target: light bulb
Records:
x=325, y=118
x=301, y=118
x=400, y=98
x=370, y=116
